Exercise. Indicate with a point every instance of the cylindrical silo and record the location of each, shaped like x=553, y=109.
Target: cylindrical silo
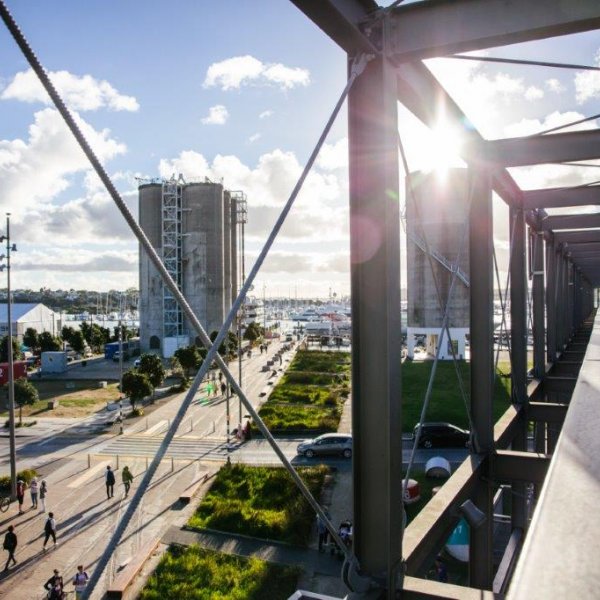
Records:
x=234, y=249
x=203, y=252
x=437, y=218
x=151, y=286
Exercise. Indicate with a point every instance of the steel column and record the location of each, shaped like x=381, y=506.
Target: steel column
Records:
x=551, y=281
x=376, y=337
x=481, y=237
x=518, y=336
x=537, y=292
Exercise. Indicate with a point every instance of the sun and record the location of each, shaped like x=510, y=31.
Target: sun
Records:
x=440, y=149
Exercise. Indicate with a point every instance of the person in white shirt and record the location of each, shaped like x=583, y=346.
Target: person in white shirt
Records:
x=80, y=582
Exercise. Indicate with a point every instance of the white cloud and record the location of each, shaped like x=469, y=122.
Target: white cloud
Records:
x=555, y=119
x=254, y=137
x=79, y=93
x=36, y=170
x=554, y=85
x=217, y=115
x=265, y=114
x=232, y=73
x=587, y=83
x=334, y=156
x=533, y=93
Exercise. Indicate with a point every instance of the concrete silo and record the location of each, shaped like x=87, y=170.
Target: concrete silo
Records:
x=436, y=221
x=190, y=226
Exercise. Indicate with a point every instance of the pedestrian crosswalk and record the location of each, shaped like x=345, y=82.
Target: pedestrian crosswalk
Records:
x=183, y=448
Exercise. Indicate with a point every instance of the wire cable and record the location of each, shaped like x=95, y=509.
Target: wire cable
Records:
x=559, y=127
x=533, y=63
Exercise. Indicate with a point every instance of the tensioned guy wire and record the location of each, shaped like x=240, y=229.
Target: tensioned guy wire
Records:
x=212, y=354
x=533, y=63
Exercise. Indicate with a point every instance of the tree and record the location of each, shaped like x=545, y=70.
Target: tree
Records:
x=77, y=342
x=31, y=338
x=16, y=349
x=25, y=394
x=152, y=367
x=188, y=357
x=67, y=333
x=136, y=386
x=253, y=332
x=49, y=343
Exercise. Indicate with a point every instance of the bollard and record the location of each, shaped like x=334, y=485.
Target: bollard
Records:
x=89, y=462
x=191, y=426
x=146, y=463
x=172, y=464
x=146, y=422
x=117, y=462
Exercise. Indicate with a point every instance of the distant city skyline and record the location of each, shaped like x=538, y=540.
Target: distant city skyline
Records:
x=244, y=108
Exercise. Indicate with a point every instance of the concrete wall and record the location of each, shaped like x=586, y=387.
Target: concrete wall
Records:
x=227, y=258
x=234, y=250
x=439, y=217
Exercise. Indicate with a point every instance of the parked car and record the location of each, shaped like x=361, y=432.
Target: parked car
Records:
x=137, y=362
x=117, y=354
x=327, y=444
x=442, y=435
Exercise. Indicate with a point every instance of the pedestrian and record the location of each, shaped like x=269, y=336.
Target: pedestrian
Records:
x=280, y=360
x=10, y=545
x=127, y=479
x=220, y=375
x=43, y=492
x=109, y=479
x=50, y=530
x=322, y=531
x=223, y=388
x=21, y=494
x=440, y=570
x=33, y=490
x=80, y=582
x=55, y=584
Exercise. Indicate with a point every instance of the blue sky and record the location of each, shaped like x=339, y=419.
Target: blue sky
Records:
x=235, y=90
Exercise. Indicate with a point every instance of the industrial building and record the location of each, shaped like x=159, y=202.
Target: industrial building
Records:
x=26, y=315
x=195, y=228
x=437, y=215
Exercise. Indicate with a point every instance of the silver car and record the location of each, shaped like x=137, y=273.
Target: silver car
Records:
x=327, y=444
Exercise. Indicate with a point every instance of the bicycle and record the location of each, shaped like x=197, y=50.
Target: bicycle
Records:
x=4, y=503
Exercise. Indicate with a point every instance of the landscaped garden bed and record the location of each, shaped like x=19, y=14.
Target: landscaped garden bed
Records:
x=260, y=502
x=310, y=396
x=195, y=573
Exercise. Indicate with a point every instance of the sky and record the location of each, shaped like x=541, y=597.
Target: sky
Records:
x=239, y=92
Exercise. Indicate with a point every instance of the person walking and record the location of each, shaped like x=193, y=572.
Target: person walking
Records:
x=223, y=388
x=34, y=490
x=55, y=585
x=80, y=582
x=127, y=479
x=323, y=533
x=21, y=494
x=43, y=492
x=50, y=530
x=109, y=479
x=10, y=545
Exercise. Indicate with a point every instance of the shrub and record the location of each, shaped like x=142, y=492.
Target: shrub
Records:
x=137, y=412
x=26, y=475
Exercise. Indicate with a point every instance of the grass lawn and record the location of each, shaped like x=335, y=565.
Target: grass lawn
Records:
x=311, y=393
x=195, y=573
x=76, y=398
x=260, y=502
x=446, y=403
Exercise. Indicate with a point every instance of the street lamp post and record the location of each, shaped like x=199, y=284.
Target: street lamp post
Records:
x=121, y=365
x=11, y=373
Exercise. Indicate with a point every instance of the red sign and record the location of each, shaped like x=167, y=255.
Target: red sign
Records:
x=19, y=370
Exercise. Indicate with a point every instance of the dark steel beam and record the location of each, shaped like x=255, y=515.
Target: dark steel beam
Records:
x=375, y=285
x=547, y=412
x=508, y=562
x=427, y=532
x=551, y=283
x=339, y=19
x=561, y=197
x=540, y=149
x=520, y=466
x=537, y=293
x=581, y=221
x=559, y=384
x=416, y=588
x=577, y=237
x=481, y=235
x=442, y=27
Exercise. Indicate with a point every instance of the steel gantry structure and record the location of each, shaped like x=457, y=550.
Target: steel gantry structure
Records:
x=395, y=40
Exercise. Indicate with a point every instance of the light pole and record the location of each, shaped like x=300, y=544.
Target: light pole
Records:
x=11, y=373
x=121, y=365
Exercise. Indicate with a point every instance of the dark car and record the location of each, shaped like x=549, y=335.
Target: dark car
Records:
x=327, y=444
x=442, y=435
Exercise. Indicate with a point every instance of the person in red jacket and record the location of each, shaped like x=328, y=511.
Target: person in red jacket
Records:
x=21, y=494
